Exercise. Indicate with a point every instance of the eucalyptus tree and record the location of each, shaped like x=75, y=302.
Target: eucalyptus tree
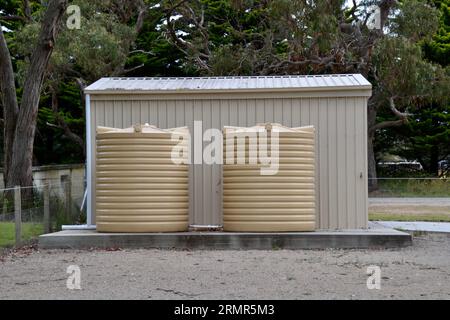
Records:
x=42, y=54
x=20, y=117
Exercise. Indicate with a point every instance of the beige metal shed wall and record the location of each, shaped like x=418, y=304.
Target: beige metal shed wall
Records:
x=340, y=123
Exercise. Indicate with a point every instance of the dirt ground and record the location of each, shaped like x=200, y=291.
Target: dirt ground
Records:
x=410, y=210
x=418, y=272
x=410, y=206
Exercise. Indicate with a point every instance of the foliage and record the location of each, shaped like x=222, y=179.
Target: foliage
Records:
x=438, y=49
x=99, y=48
x=51, y=144
x=405, y=60
x=152, y=54
x=401, y=70
x=425, y=136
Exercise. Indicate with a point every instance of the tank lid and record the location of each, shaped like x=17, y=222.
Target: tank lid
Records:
x=142, y=128
x=262, y=127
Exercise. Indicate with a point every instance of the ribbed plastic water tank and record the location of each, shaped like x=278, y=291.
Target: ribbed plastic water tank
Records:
x=139, y=186
x=281, y=202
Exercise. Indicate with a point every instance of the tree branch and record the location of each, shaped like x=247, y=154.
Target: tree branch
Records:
x=142, y=51
x=387, y=124
x=403, y=118
x=188, y=49
x=13, y=18
x=401, y=115
x=27, y=10
x=132, y=69
x=26, y=18
x=141, y=17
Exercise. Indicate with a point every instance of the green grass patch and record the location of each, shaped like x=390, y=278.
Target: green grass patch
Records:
x=29, y=231
x=413, y=188
x=409, y=217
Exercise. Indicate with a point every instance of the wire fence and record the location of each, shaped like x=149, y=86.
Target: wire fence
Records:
x=27, y=212
x=410, y=187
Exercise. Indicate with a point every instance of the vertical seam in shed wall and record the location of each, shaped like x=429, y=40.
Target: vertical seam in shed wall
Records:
x=90, y=212
x=192, y=190
x=330, y=220
x=336, y=160
x=355, y=155
x=347, y=162
x=364, y=103
x=206, y=170
x=93, y=157
x=217, y=121
x=323, y=141
x=361, y=145
x=316, y=123
x=210, y=168
x=339, y=177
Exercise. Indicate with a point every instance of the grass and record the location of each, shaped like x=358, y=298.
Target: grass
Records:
x=409, y=217
x=29, y=231
x=413, y=188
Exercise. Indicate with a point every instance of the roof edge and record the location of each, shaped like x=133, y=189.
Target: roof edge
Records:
x=95, y=88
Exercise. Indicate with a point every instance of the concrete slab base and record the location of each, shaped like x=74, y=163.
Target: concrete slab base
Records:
x=374, y=237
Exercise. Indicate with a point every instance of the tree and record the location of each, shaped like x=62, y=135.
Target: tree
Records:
x=438, y=48
x=426, y=135
x=221, y=37
x=80, y=56
x=20, y=122
x=226, y=37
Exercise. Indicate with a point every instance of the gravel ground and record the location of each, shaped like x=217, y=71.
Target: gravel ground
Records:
x=418, y=272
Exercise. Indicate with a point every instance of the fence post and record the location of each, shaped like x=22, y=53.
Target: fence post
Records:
x=46, y=209
x=67, y=185
x=18, y=214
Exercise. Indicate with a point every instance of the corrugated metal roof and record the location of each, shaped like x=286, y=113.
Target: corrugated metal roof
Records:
x=241, y=84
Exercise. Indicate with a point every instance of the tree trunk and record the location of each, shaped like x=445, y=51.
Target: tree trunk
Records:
x=22, y=148
x=372, y=164
x=9, y=102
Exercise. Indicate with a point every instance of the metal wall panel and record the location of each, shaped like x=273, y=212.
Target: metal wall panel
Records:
x=341, y=146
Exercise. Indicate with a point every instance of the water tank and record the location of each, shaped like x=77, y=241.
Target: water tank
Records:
x=142, y=179
x=282, y=200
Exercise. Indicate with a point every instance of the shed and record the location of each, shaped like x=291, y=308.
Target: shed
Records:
x=336, y=105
